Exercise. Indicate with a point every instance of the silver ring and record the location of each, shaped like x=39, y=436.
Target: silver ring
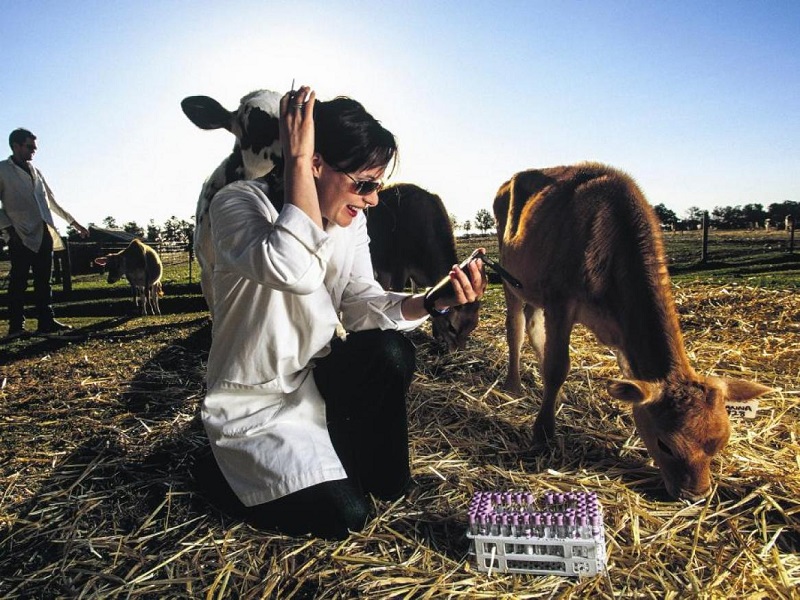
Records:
x=298, y=105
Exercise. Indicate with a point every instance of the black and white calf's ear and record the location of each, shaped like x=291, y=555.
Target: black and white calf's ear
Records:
x=207, y=113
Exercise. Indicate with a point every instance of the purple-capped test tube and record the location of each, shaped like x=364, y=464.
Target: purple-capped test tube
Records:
x=515, y=527
x=595, y=522
x=548, y=525
x=537, y=524
x=583, y=527
x=560, y=525
x=473, y=523
x=526, y=524
x=485, y=524
x=529, y=500
x=496, y=523
x=569, y=525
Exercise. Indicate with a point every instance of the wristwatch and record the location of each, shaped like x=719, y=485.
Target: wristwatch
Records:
x=429, y=305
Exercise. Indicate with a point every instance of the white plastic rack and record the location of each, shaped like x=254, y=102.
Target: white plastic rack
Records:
x=560, y=534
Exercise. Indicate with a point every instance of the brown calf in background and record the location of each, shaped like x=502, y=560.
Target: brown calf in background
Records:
x=140, y=264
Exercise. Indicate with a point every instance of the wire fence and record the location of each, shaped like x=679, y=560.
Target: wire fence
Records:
x=179, y=261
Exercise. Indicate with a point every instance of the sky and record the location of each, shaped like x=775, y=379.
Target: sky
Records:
x=698, y=100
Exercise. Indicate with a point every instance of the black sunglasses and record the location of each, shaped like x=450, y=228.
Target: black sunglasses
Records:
x=364, y=187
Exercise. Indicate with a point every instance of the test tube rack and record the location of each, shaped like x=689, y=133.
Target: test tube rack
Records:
x=558, y=534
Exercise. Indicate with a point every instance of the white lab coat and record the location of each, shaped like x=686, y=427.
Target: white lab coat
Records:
x=282, y=289
x=27, y=202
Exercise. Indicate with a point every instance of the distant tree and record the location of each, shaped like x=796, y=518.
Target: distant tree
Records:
x=778, y=212
x=666, y=216
x=187, y=229
x=177, y=230
x=132, y=228
x=694, y=216
x=729, y=217
x=484, y=220
x=453, y=221
x=153, y=231
x=466, y=226
x=110, y=222
x=754, y=214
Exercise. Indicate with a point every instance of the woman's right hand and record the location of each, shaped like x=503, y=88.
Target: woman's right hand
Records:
x=297, y=124
x=297, y=140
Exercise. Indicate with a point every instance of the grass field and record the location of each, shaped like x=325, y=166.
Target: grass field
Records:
x=753, y=257
x=101, y=439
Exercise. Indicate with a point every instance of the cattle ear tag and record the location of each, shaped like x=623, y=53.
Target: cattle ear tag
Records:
x=746, y=410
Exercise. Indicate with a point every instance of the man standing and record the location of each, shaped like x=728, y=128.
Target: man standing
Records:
x=26, y=221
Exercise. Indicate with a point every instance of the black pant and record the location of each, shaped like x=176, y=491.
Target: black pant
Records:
x=22, y=260
x=364, y=381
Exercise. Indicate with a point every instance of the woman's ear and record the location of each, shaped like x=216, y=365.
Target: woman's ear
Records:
x=316, y=164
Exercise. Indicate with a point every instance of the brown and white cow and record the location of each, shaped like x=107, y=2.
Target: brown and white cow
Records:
x=586, y=246
x=256, y=153
x=141, y=266
x=411, y=238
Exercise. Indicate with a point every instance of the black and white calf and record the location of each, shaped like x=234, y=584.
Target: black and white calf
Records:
x=141, y=266
x=256, y=153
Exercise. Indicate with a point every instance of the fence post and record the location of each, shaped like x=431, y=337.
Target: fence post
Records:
x=62, y=273
x=791, y=235
x=704, y=251
x=190, y=248
x=66, y=268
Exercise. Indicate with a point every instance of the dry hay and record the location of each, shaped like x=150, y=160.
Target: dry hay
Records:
x=99, y=439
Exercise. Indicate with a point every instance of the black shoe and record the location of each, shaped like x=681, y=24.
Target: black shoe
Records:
x=54, y=327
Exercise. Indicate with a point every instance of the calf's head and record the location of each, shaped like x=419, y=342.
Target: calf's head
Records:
x=254, y=124
x=684, y=424
x=115, y=265
x=453, y=328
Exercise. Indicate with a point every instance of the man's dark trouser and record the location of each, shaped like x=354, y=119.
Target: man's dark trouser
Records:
x=22, y=260
x=364, y=381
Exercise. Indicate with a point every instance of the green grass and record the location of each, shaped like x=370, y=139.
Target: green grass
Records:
x=754, y=258
x=92, y=300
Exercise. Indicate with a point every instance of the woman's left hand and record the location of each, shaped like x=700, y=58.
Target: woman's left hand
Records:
x=468, y=287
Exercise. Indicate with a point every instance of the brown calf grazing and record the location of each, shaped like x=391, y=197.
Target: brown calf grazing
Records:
x=411, y=237
x=140, y=264
x=587, y=248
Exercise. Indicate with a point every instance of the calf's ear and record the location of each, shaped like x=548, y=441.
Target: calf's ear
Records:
x=631, y=390
x=206, y=112
x=741, y=390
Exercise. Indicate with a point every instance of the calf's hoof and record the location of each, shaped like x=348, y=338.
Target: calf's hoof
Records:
x=511, y=388
x=544, y=432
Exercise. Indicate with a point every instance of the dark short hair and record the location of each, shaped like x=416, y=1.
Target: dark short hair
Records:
x=349, y=138
x=19, y=136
